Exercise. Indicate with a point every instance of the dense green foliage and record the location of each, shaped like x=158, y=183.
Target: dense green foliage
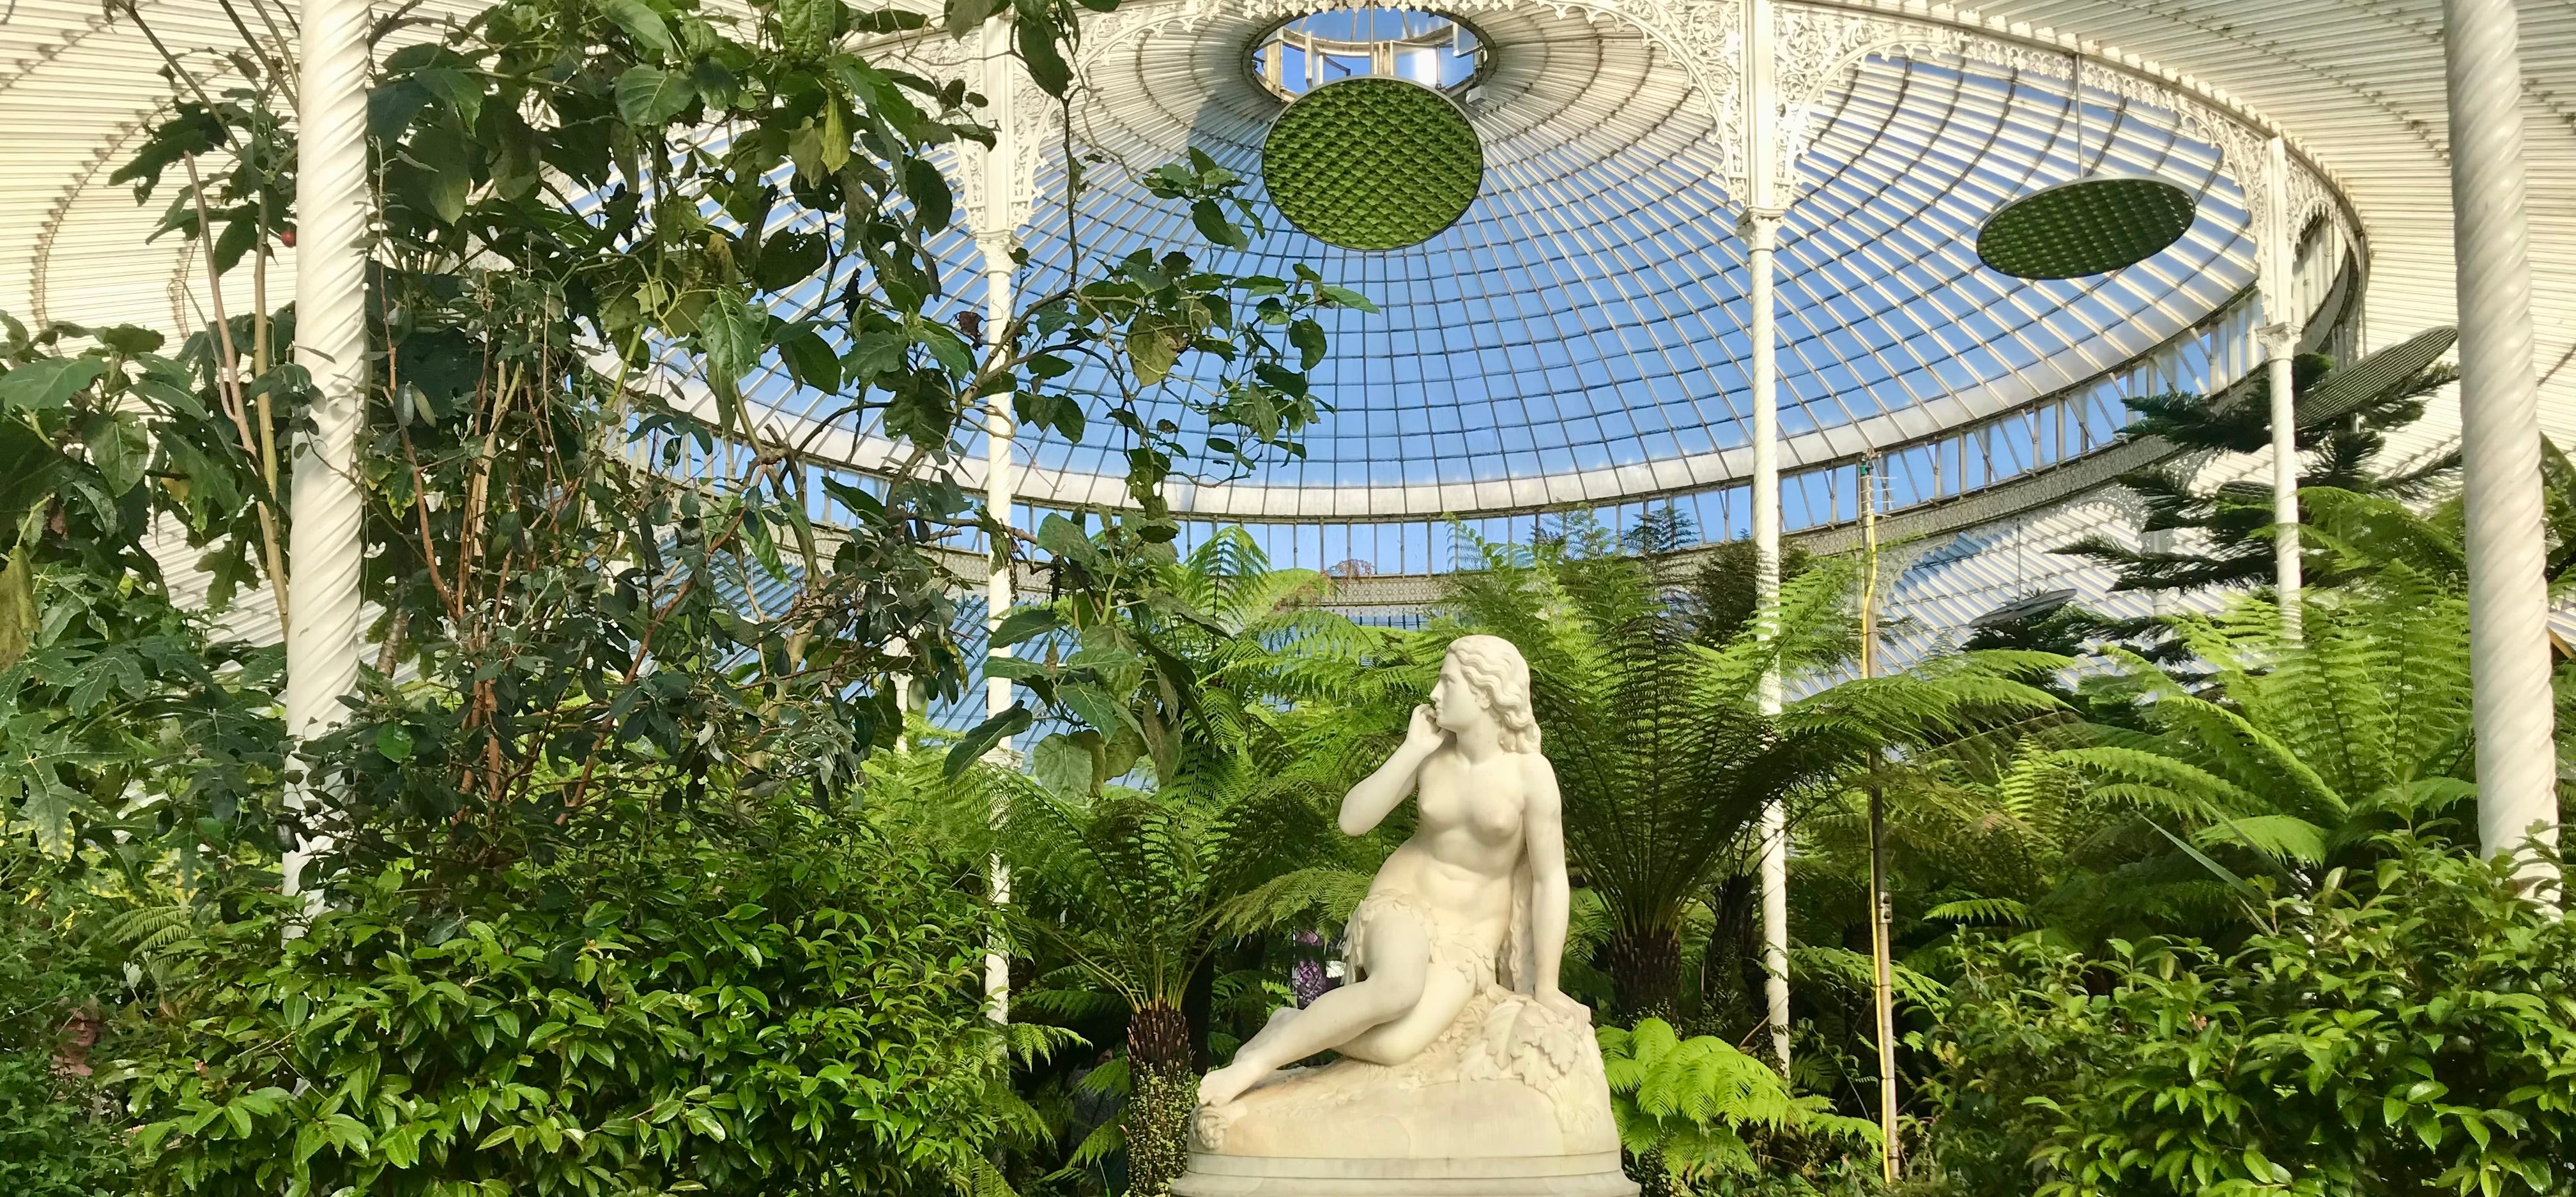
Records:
x=1714, y=1116
x=783, y=1006
x=601, y=913
x=2406, y=1027
x=56, y=1137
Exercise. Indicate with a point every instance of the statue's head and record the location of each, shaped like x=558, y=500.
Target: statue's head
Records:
x=1485, y=678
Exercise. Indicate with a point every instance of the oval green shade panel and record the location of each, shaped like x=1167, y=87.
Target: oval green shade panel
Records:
x=1373, y=163
x=2087, y=226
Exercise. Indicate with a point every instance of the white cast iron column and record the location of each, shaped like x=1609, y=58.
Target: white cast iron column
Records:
x=994, y=239
x=998, y=498
x=2280, y=341
x=1760, y=227
x=2499, y=431
x=324, y=545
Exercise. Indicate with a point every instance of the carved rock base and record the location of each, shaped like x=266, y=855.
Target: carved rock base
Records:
x=1595, y=1174
x=1509, y=1101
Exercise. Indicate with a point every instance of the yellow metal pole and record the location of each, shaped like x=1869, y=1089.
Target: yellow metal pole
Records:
x=1882, y=922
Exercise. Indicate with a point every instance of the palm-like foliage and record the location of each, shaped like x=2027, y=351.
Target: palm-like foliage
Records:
x=2363, y=532
x=1660, y=744
x=1126, y=887
x=1189, y=665
x=2287, y=756
x=2338, y=449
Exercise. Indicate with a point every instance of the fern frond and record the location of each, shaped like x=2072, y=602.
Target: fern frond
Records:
x=1997, y=912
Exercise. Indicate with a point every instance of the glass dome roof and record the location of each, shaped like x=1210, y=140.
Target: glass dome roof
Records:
x=1579, y=336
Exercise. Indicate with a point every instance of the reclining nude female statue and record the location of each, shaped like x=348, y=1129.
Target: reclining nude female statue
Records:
x=1455, y=1042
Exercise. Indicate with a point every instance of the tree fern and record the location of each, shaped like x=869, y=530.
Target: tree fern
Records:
x=1659, y=741
x=1702, y=1106
x=1989, y=912
x=2285, y=757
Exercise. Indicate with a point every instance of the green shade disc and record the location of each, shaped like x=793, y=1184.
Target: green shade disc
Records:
x=2088, y=226
x=1373, y=163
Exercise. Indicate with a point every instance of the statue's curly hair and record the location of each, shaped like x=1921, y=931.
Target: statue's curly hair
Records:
x=1500, y=678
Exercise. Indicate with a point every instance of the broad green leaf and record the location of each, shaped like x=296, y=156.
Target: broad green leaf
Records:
x=932, y=202
x=964, y=16
x=1096, y=707
x=810, y=26
x=1036, y=36
x=394, y=742
x=121, y=450
x=1024, y=623
x=1153, y=352
x=1213, y=225
x=648, y=97
x=1348, y=298
x=729, y=333
x=981, y=739
x=641, y=23
x=129, y=339
x=1308, y=338
x=1062, y=765
x=48, y=807
x=48, y=382
x=461, y=91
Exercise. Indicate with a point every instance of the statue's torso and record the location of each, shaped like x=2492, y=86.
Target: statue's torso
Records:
x=1468, y=841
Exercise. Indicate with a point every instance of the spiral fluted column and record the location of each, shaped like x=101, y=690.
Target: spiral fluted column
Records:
x=2280, y=342
x=332, y=215
x=2499, y=431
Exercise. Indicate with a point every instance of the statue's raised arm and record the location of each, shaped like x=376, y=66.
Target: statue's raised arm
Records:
x=1455, y=1041
x=1393, y=782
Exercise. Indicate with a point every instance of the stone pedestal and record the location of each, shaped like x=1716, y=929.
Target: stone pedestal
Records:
x=1510, y=1101
x=1595, y=1174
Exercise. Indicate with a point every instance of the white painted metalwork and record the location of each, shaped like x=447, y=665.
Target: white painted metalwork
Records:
x=2509, y=652
x=1764, y=161
x=996, y=214
x=334, y=211
x=2280, y=337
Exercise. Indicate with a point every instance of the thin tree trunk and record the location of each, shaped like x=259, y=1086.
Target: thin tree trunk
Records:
x=1646, y=973
x=1164, y=1093
x=1730, y=985
x=1653, y=1179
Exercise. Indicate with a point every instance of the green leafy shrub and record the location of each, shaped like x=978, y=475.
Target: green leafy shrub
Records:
x=57, y=1138
x=788, y=1007
x=1715, y=1116
x=2408, y=1028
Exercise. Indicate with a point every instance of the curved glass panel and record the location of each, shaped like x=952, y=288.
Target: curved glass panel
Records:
x=1578, y=337
x=1429, y=48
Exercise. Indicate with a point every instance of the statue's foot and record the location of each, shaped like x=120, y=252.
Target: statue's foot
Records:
x=1225, y=1084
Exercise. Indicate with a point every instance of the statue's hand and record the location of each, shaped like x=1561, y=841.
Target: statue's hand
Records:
x=1425, y=733
x=1559, y=1004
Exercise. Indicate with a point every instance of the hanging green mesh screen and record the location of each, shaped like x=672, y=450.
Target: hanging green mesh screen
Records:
x=2087, y=226
x=1373, y=163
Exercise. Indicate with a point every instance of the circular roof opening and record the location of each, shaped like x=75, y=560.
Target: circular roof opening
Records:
x=1433, y=49
x=2086, y=226
x=1373, y=163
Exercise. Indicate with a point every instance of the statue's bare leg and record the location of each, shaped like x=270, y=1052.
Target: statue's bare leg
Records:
x=1391, y=984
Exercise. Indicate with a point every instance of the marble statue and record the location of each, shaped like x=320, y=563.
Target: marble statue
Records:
x=1461, y=1062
